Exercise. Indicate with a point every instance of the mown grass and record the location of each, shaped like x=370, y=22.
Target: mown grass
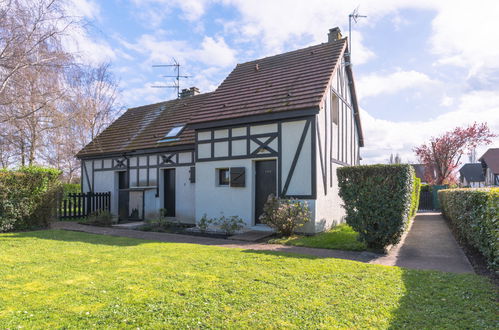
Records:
x=341, y=237
x=60, y=279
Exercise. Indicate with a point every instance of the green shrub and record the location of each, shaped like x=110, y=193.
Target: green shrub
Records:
x=28, y=198
x=416, y=192
x=475, y=215
x=102, y=218
x=229, y=225
x=285, y=215
x=204, y=223
x=70, y=188
x=377, y=200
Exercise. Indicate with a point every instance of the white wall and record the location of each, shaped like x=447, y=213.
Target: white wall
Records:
x=184, y=199
x=215, y=200
x=107, y=181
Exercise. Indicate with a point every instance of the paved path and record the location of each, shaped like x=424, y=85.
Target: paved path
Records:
x=428, y=245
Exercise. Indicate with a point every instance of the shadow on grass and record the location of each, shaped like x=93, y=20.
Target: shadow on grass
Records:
x=75, y=236
x=436, y=300
x=311, y=253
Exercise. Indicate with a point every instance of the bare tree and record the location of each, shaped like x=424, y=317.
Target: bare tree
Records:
x=50, y=107
x=93, y=101
x=26, y=27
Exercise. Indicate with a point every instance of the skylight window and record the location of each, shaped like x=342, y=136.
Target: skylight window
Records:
x=175, y=131
x=173, y=134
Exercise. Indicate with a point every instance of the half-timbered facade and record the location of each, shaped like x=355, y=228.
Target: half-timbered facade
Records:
x=281, y=125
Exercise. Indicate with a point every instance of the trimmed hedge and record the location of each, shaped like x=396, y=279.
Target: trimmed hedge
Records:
x=28, y=197
x=70, y=188
x=475, y=215
x=416, y=192
x=378, y=200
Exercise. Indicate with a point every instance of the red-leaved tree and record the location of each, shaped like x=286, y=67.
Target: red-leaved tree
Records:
x=442, y=154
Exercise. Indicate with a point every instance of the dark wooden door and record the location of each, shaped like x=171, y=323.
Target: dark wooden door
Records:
x=265, y=184
x=169, y=192
x=123, y=195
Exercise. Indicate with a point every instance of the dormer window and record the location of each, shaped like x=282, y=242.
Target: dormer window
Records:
x=173, y=134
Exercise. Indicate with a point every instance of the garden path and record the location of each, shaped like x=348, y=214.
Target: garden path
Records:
x=429, y=244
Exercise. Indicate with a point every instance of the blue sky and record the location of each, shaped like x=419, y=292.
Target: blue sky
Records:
x=421, y=68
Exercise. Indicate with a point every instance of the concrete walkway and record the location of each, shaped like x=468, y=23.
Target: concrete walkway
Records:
x=428, y=245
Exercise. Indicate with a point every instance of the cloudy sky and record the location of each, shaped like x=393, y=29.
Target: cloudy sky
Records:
x=421, y=67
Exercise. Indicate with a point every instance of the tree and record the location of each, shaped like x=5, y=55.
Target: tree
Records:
x=442, y=154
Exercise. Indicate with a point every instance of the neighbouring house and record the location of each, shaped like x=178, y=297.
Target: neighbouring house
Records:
x=278, y=125
x=423, y=174
x=490, y=166
x=471, y=175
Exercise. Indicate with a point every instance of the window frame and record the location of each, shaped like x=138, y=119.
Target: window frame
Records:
x=223, y=181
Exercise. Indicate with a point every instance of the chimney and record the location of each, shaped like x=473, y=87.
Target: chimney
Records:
x=334, y=34
x=186, y=92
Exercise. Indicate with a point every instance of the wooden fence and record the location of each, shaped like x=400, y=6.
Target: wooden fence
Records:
x=83, y=204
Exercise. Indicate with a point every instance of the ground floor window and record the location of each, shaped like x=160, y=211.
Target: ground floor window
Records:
x=223, y=177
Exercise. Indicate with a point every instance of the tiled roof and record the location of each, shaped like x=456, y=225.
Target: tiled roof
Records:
x=289, y=81
x=295, y=80
x=143, y=127
x=491, y=158
x=473, y=172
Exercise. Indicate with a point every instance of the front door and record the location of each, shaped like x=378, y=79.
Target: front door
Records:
x=265, y=184
x=169, y=192
x=123, y=195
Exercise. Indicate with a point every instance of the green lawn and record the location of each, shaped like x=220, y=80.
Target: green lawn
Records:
x=341, y=237
x=59, y=279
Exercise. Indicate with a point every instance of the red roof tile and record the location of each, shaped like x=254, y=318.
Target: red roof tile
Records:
x=143, y=127
x=491, y=158
x=289, y=81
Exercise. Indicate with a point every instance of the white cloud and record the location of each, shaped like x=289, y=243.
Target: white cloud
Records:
x=465, y=34
x=155, y=12
x=383, y=137
x=376, y=84
x=212, y=51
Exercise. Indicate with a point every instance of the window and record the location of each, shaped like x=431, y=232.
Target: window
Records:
x=174, y=131
x=335, y=108
x=171, y=136
x=223, y=177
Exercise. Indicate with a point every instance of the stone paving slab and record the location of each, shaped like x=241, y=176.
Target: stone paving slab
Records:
x=429, y=244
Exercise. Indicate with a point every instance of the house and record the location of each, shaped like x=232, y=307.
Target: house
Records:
x=278, y=125
x=471, y=175
x=423, y=174
x=490, y=166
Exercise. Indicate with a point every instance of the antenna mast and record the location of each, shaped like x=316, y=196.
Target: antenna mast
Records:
x=353, y=16
x=177, y=76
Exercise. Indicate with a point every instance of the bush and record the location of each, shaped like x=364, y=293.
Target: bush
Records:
x=475, y=215
x=70, y=188
x=102, y=218
x=28, y=198
x=285, y=215
x=204, y=223
x=229, y=225
x=416, y=192
x=377, y=200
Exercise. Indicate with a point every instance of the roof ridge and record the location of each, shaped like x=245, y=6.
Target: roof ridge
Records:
x=294, y=51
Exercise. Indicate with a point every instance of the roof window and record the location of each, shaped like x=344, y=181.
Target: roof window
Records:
x=173, y=134
x=175, y=131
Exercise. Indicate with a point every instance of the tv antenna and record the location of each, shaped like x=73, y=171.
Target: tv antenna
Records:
x=177, y=76
x=355, y=17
